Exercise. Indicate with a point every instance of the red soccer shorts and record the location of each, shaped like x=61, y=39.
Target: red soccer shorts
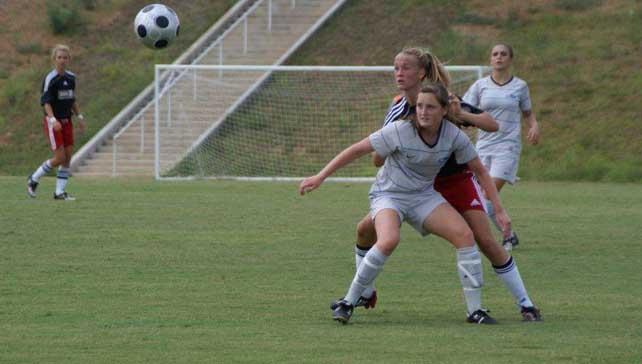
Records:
x=62, y=138
x=461, y=191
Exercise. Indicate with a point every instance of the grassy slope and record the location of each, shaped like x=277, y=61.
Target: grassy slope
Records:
x=111, y=65
x=228, y=272
x=580, y=58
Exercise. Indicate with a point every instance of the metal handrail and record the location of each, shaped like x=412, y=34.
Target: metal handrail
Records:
x=218, y=42
x=146, y=96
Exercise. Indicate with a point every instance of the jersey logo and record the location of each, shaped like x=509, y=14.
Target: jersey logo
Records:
x=64, y=83
x=475, y=203
x=65, y=94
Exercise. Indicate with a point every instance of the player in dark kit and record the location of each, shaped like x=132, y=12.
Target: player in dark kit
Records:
x=59, y=104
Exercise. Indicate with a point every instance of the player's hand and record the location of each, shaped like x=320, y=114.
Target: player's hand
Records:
x=533, y=134
x=504, y=222
x=55, y=124
x=454, y=104
x=81, y=127
x=309, y=184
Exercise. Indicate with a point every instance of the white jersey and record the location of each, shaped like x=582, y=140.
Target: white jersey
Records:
x=411, y=164
x=505, y=104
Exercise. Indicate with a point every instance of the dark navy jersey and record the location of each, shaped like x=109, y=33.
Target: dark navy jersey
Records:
x=59, y=91
x=400, y=109
x=452, y=167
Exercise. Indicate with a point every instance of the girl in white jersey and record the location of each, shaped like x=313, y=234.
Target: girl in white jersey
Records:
x=507, y=99
x=455, y=182
x=414, y=152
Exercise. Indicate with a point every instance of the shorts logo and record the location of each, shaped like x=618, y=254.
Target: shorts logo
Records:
x=475, y=203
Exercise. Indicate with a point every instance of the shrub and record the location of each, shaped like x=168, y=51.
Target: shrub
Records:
x=63, y=18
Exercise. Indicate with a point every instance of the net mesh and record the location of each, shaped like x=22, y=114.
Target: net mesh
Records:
x=272, y=123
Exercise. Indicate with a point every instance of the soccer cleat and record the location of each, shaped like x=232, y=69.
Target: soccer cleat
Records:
x=31, y=187
x=64, y=196
x=510, y=242
x=343, y=312
x=481, y=317
x=531, y=314
x=367, y=303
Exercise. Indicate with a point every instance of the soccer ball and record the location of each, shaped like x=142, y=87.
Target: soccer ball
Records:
x=156, y=25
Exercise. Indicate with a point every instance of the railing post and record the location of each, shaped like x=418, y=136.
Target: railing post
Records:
x=269, y=15
x=194, y=85
x=142, y=134
x=220, y=58
x=245, y=35
x=113, y=159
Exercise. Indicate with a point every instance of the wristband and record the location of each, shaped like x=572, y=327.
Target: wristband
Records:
x=81, y=117
x=51, y=120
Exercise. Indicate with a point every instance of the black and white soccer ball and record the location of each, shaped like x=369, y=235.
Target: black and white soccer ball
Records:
x=156, y=25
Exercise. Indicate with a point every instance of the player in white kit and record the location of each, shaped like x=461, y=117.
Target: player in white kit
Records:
x=414, y=153
x=506, y=98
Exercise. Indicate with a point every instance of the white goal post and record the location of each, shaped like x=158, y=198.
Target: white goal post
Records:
x=271, y=122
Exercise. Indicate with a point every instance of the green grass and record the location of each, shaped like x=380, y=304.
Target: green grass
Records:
x=219, y=272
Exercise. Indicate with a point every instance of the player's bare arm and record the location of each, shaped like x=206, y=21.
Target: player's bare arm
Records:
x=488, y=185
x=81, y=118
x=533, y=130
x=51, y=119
x=353, y=152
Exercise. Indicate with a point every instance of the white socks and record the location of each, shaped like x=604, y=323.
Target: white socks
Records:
x=359, y=254
x=41, y=171
x=61, y=179
x=471, y=276
x=368, y=270
x=509, y=274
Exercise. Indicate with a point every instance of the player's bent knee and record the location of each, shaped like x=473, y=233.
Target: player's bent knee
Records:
x=387, y=246
x=463, y=237
x=366, y=234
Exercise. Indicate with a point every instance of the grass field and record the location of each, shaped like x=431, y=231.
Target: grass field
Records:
x=223, y=272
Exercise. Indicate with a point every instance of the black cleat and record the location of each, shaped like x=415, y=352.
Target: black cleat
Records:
x=510, y=242
x=367, y=303
x=64, y=196
x=31, y=187
x=481, y=317
x=343, y=312
x=531, y=314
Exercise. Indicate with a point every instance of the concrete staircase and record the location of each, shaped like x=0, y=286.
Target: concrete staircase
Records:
x=265, y=34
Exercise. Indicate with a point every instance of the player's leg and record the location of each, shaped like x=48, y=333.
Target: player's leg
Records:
x=503, y=264
x=387, y=224
x=62, y=177
x=447, y=223
x=56, y=142
x=503, y=169
x=366, y=238
x=63, y=174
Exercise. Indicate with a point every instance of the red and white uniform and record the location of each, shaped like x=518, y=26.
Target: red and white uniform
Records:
x=58, y=90
x=458, y=186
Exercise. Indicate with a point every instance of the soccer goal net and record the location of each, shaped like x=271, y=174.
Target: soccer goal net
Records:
x=271, y=122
